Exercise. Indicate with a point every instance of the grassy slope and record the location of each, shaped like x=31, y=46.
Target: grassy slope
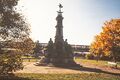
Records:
x=83, y=76
x=94, y=62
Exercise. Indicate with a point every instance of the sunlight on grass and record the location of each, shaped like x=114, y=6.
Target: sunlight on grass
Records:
x=79, y=60
x=100, y=62
x=30, y=60
x=94, y=62
x=84, y=76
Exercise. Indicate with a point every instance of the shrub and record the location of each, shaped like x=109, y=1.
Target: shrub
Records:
x=79, y=55
x=105, y=58
x=10, y=62
x=89, y=56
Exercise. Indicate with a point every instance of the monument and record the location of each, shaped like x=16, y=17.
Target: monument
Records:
x=59, y=53
x=59, y=41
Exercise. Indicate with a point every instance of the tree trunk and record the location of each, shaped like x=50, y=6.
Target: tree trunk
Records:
x=114, y=59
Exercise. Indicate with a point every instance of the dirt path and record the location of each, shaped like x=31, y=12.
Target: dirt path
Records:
x=29, y=67
x=102, y=68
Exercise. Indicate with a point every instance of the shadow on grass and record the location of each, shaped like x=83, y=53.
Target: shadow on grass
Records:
x=12, y=77
x=88, y=69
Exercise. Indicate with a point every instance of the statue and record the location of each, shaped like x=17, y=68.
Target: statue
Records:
x=60, y=6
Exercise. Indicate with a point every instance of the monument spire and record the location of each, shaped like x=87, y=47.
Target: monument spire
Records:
x=63, y=51
x=59, y=41
x=59, y=26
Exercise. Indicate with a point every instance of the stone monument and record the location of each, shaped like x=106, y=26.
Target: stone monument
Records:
x=59, y=53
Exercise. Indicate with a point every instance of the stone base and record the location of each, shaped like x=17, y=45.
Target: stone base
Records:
x=63, y=62
x=67, y=62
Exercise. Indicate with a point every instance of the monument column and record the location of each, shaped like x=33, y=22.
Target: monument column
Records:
x=59, y=41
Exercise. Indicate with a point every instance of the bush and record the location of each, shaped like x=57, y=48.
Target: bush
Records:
x=105, y=58
x=10, y=62
x=79, y=55
x=89, y=56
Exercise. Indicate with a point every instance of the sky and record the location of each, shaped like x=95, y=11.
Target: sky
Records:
x=83, y=19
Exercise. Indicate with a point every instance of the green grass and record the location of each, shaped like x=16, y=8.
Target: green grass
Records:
x=94, y=62
x=84, y=61
x=83, y=76
x=30, y=60
x=118, y=64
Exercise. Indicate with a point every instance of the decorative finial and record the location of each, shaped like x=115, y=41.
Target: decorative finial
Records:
x=60, y=6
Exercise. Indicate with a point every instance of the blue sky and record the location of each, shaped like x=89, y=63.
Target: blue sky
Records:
x=83, y=19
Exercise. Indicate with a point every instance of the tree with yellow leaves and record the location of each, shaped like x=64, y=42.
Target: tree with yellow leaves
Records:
x=108, y=41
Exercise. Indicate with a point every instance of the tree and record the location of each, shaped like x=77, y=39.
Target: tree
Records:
x=108, y=41
x=13, y=28
x=37, y=49
x=96, y=47
x=27, y=46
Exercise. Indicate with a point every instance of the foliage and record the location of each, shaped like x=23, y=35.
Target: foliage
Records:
x=10, y=61
x=13, y=30
x=24, y=46
x=89, y=56
x=108, y=41
x=12, y=24
x=37, y=49
x=84, y=76
x=27, y=46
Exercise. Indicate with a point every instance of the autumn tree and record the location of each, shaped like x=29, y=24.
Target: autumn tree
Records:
x=108, y=41
x=13, y=29
x=96, y=47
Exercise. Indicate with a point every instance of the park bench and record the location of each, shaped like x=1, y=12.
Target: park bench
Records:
x=112, y=64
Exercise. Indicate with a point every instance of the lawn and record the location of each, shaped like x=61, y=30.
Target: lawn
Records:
x=78, y=60
x=101, y=63
x=83, y=76
x=29, y=59
x=101, y=75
